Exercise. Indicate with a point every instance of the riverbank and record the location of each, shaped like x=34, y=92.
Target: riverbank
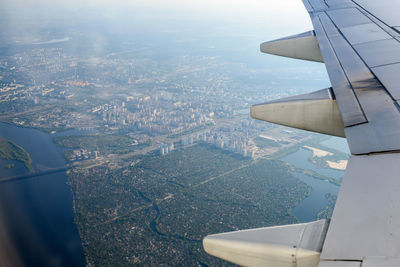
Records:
x=11, y=151
x=40, y=222
x=324, y=181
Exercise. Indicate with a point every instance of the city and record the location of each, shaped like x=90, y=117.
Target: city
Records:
x=160, y=152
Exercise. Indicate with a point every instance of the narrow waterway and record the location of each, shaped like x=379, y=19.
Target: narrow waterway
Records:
x=309, y=208
x=36, y=216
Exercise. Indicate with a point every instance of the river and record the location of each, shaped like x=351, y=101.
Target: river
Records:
x=36, y=223
x=301, y=159
x=309, y=208
x=337, y=143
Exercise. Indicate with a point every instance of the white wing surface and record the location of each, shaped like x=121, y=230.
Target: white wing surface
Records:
x=359, y=43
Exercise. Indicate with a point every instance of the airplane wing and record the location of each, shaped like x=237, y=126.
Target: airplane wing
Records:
x=359, y=42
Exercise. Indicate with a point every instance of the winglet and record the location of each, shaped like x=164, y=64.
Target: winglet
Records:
x=285, y=246
x=301, y=46
x=316, y=112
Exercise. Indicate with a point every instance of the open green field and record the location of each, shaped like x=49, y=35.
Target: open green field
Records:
x=106, y=143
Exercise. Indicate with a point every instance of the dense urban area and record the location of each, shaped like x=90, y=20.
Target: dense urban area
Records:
x=160, y=153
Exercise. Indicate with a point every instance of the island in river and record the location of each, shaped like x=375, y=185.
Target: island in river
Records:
x=11, y=151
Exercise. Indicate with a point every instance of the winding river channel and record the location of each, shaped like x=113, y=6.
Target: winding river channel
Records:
x=37, y=216
x=309, y=208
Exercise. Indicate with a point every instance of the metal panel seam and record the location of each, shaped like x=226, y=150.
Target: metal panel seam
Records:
x=370, y=69
x=375, y=19
x=308, y=6
x=345, y=74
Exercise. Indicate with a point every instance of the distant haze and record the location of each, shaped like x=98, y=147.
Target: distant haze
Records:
x=285, y=16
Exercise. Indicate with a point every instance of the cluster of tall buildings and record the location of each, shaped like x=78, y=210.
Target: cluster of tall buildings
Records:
x=153, y=115
x=166, y=148
x=82, y=154
x=224, y=140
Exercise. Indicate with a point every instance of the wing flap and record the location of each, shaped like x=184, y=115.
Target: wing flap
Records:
x=388, y=75
x=339, y=264
x=366, y=219
x=381, y=262
x=350, y=109
x=346, y=17
x=386, y=10
x=369, y=112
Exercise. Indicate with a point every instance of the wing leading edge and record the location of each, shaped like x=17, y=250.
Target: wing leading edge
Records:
x=359, y=43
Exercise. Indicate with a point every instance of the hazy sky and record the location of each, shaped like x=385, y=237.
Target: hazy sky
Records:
x=247, y=23
x=287, y=16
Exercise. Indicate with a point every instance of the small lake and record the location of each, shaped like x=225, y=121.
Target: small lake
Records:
x=37, y=220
